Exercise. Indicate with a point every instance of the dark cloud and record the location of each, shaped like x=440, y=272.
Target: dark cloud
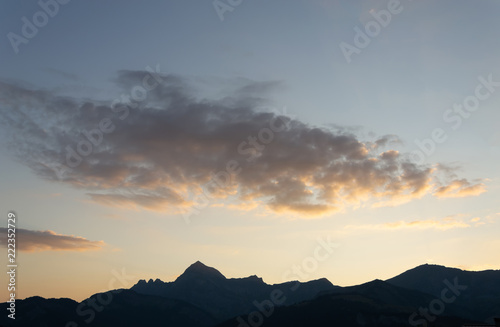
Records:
x=34, y=241
x=167, y=149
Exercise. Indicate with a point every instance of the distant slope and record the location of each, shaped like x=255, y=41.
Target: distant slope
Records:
x=372, y=304
x=125, y=309
x=387, y=293
x=128, y=308
x=224, y=298
x=37, y=311
x=481, y=296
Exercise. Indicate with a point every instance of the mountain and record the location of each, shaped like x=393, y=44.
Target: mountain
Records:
x=203, y=297
x=478, y=291
x=199, y=270
x=224, y=298
x=37, y=311
x=124, y=308
x=376, y=303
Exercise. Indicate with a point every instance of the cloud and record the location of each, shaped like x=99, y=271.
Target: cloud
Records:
x=152, y=202
x=443, y=224
x=460, y=188
x=170, y=150
x=449, y=222
x=35, y=241
x=427, y=224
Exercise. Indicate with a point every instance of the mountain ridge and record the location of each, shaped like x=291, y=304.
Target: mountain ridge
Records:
x=223, y=297
x=204, y=297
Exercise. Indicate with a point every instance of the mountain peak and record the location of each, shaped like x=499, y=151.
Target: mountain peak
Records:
x=198, y=265
x=198, y=269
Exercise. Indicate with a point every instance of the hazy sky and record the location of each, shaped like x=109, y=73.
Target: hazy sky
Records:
x=140, y=137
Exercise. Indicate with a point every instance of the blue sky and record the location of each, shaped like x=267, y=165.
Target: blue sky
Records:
x=429, y=57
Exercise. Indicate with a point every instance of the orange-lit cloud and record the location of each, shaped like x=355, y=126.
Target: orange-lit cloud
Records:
x=460, y=188
x=154, y=202
x=443, y=224
x=426, y=224
x=35, y=241
x=177, y=152
x=304, y=209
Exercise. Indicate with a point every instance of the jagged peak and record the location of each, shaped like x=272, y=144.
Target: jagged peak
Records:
x=253, y=278
x=142, y=282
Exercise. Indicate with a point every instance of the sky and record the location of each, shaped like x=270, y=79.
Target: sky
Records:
x=292, y=140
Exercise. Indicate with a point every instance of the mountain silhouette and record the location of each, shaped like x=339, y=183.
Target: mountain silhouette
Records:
x=479, y=291
x=376, y=303
x=126, y=308
x=224, y=298
x=203, y=297
x=198, y=269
